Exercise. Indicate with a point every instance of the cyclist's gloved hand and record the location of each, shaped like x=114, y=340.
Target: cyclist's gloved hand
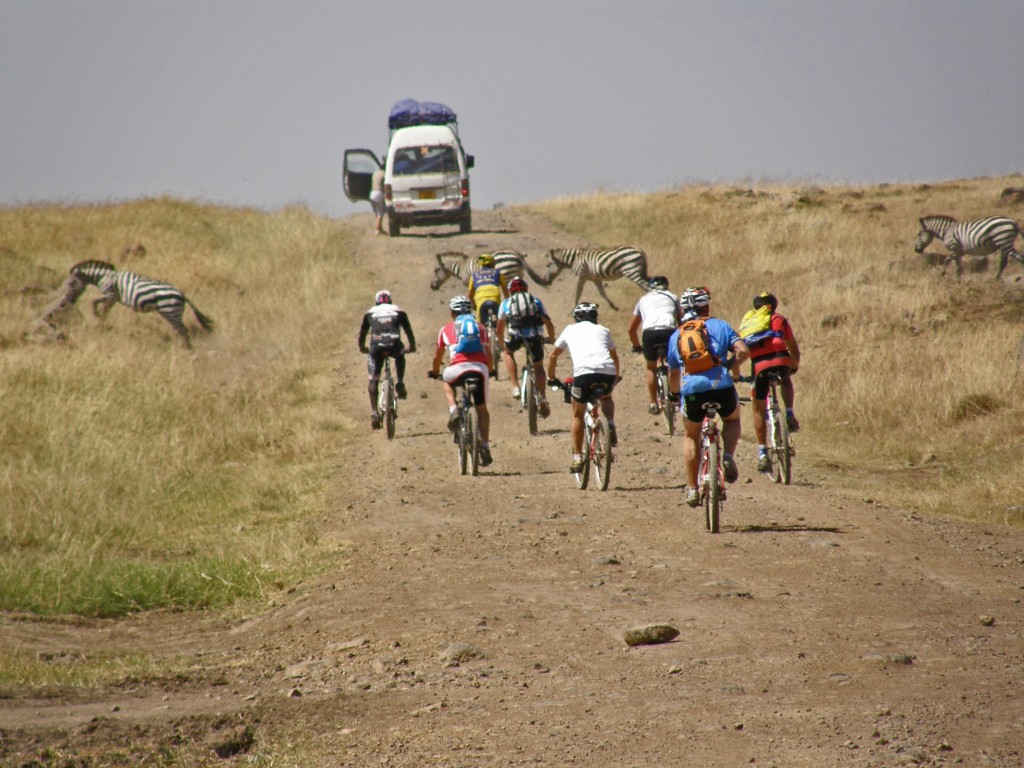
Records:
x=637, y=350
x=433, y=375
x=554, y=383
x=411, y=350
x=673, y=397
x=364, y=350
x=493, y=373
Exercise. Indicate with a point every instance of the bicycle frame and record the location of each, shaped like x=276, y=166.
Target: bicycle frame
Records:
x=468, y=435
x=387, y=401
x=779, y=440
x=529, y=393
x=597, y=449
x=668, y=408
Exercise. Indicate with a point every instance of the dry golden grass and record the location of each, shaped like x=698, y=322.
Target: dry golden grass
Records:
x=139, y=475
x=910, y=390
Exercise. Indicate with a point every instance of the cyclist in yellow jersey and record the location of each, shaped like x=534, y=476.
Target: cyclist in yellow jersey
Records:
x=487, y=288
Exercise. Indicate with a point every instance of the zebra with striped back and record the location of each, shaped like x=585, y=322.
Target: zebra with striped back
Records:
x=138, y=293
x=599, y=266
x=979, y=237
x=457, y=264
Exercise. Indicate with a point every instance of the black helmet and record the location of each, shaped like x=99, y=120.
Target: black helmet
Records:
x=766, y=298
x=658, y=283
x=585, y=311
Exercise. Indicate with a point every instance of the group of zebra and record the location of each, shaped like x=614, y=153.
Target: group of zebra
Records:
x=596, y=265
x=978, y=237
x=136, y=292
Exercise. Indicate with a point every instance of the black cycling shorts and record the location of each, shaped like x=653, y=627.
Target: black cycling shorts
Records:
x=536, y=343
x=728, y=401
x=488, y=309
x=583, y=385
x=761, y=380
x=479, y=393
x=653, y=338
x=375, y=359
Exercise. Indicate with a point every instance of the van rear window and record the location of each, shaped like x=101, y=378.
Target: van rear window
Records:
x=414, y=160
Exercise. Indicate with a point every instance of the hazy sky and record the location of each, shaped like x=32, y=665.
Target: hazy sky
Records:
x=252, y=102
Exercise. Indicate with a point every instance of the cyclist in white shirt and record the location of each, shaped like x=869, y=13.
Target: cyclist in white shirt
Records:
x=655, y=319
x=594, y=361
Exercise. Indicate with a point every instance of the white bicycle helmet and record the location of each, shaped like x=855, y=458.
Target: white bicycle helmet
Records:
x=694, y=298
x=585, y=311
x=460, y=305
x=382, y=297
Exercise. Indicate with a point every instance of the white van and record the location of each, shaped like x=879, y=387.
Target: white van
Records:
x=426, y=177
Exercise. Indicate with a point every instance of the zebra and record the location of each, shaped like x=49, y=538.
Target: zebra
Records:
x=457, y=264
x=138, y=293
x=599, y=266
x=979, y=237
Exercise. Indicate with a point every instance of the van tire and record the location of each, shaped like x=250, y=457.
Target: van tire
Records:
x=466, y=224
x=393, y=229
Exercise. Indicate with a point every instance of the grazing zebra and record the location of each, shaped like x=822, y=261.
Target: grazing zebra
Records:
x=599, y=266
x=976, y=238
x=138, y=293
x=456, y=264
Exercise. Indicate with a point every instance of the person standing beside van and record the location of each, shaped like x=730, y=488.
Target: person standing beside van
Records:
x=377, y=198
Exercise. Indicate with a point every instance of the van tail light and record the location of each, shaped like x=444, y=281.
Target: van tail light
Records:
x=387, y=192
x=465, y=187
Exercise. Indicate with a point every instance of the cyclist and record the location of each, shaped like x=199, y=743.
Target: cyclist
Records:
x=520, y=319
x=655, y=319
x=383, y=323
x=773, y=349
x=486, y=288
x=714, y=384
x=465, y=358
x=594, y=361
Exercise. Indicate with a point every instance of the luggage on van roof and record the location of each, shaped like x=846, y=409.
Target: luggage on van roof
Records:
x=409, y=112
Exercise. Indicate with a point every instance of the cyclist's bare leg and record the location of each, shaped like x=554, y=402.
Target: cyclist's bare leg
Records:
x=372, y=388
x=578, y=409
x=484, y=420
x=449, y=394
x=760, y=426
x=788, y=393
x=542, y=379
x=731, y=432
x=510, y=367
x=691, y=441
x=650, y=378
x=608, y=408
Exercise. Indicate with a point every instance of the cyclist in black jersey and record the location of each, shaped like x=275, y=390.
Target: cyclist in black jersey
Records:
x=383, y=323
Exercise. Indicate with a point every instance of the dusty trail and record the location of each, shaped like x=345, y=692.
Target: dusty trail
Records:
x=816, y=629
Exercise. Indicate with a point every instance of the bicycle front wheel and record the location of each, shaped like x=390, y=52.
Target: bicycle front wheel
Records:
x=387, y=409
x=583, y=476
x=601, y=449
x=713, y=488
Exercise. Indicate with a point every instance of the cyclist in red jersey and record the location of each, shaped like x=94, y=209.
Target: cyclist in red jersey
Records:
x=777, y=351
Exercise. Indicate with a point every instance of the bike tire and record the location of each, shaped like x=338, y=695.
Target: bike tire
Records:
x=530, y=396
x=602, y=453
x=713, y=489
x=464, y=444
x=495, y=355
x=583, y=476
x=668, y=408
x=473, y=430
x=782, y=459
x=387, y=407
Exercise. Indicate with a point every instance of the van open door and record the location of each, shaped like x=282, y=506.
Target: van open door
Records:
x=360, y=165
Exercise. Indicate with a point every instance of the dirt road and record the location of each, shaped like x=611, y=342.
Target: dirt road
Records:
x=479, y=621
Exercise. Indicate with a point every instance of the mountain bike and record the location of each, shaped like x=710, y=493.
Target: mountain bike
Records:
x=710, y=475
x=468, y=433
x=597, y=448
x=387, y=400
x=780, y=442
x=529, y=394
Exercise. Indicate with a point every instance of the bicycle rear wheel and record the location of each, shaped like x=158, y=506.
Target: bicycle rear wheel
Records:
x=387, y=409
x=464, y=442
x=530, y=400
x=668, y=408
x=583, y=476
x=782, y=456
x=473, y=438
x=713, y=488
x=601, y=449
